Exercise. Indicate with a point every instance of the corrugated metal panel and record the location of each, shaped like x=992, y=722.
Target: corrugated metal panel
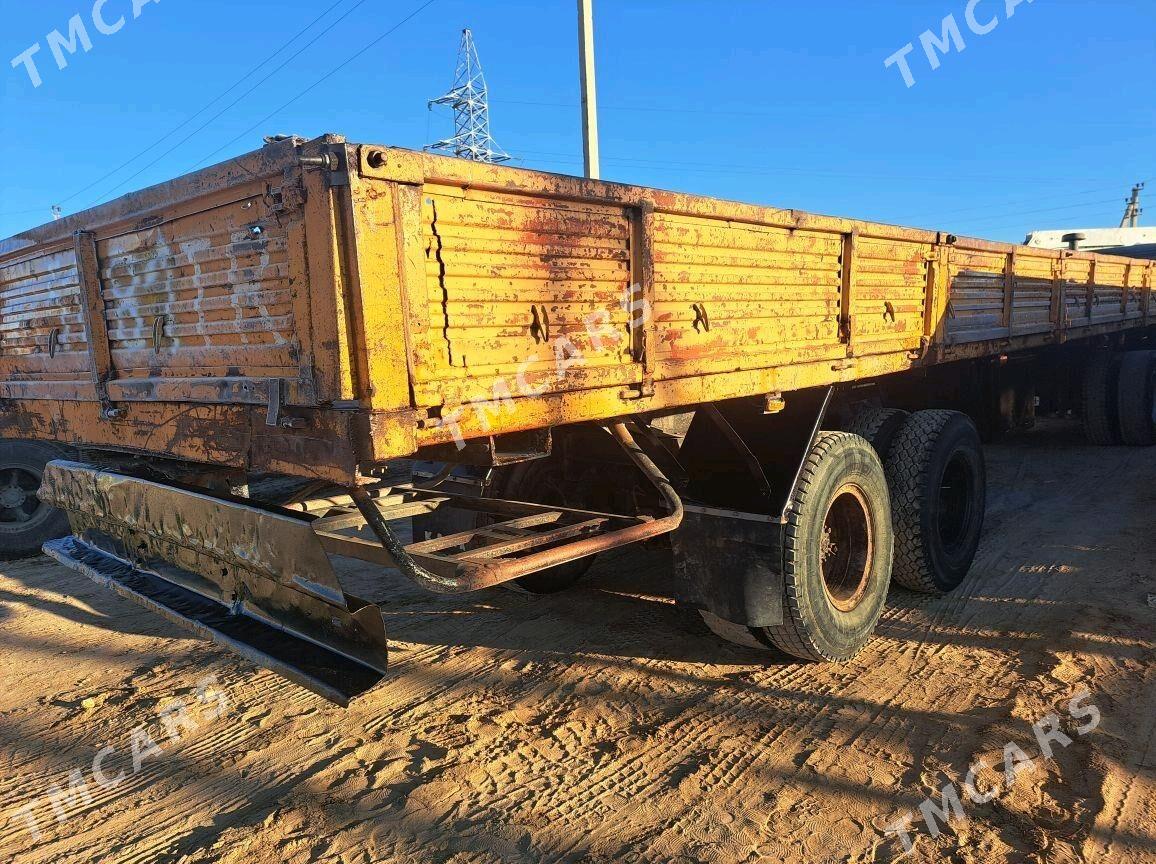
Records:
x=769, y=294
x=507, y=276
x=1032, y=298
x=1134, y=308
x=976, y=298
x=40, y=295
x=1108, y=290
x=1076, y=274
x=220, y=279
x=887, y=298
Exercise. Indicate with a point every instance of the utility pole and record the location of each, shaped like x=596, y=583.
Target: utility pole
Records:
x=470, y=100
x=589, y=89
x=1132, y=211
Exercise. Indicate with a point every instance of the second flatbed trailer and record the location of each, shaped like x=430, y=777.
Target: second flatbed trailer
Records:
x=795, y=401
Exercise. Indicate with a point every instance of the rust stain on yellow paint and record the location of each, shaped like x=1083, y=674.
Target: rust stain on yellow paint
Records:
x=318, y=306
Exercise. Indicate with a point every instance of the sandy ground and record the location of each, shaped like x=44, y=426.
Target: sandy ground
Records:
x=596, y=724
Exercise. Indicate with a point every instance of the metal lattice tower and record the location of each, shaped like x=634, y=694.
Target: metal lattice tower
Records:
x=471, y=106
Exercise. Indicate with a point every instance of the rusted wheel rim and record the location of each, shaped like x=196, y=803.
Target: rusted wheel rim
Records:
x=19, y=506
x=847, y=547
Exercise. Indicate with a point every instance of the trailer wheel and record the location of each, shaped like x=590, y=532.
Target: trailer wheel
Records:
x=1134, y=398
x=938, y=488
x=1100, y=393
x=878, y=426
x=837, y=548
x=26, y=522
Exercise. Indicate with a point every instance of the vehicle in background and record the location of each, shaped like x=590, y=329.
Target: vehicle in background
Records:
x=1129, y=239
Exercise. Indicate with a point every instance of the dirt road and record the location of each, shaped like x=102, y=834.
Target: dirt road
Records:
x=595, y=725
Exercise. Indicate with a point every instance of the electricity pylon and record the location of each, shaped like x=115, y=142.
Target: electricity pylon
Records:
x=471, y=139
x=1132, y=211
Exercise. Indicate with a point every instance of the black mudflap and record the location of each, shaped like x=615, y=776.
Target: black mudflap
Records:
x=729, y=563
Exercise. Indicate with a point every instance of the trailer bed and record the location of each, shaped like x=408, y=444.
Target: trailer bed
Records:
x=317, y=307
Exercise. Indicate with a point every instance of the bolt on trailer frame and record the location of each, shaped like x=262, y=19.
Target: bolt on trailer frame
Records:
x=320, y=308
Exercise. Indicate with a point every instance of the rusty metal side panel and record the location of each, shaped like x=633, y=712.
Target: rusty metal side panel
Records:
x=889, y=296
x=202, y=284
x=511, y=280
x=222, y=296
x=204, y=294
x=1107, y=297
x=1001, y=294
x=975, y=306
x=1134, y=280
x=733, y=296
x=742, y=299
x=41, y=326
x=1032, y=293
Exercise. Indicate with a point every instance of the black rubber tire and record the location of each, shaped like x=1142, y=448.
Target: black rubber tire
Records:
x=878, y=426
x=1134, y=398
x=936, y=473
x=1099, y=397
x=840, y=466
x=21, y=536
x=537, y=481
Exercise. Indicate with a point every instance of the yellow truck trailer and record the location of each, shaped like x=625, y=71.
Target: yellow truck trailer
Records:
x=795, y=402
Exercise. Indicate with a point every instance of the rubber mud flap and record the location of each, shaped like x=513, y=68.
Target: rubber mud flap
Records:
x=727, y=563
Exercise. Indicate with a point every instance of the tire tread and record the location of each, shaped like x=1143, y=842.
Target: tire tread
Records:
x=1134, y=398
x=907, y=468
x=1098, y=389
x=794, y=635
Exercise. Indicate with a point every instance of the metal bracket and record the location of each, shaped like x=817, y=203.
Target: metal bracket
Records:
x=540, y=326
x=822, y=415
x=95, y=324
x=847, y=288
x=276, y=393
x=332, y=162
x=845, y=328
x=700, y=317
x=286, y=198
x=641, y=298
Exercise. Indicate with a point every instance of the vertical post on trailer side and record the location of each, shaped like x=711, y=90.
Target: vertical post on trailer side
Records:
x=589, y=89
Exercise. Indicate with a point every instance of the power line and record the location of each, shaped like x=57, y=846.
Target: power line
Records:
x=722, y=168
x=777, y=115
x=1025, y=226
x=318, y=82
x=996, y=205
x=232, y=104
x=984, y=220
x=204, y=108
x=715, y=167
x=981, y=221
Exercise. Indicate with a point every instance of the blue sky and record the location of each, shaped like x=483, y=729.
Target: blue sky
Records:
x=1044, y=121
